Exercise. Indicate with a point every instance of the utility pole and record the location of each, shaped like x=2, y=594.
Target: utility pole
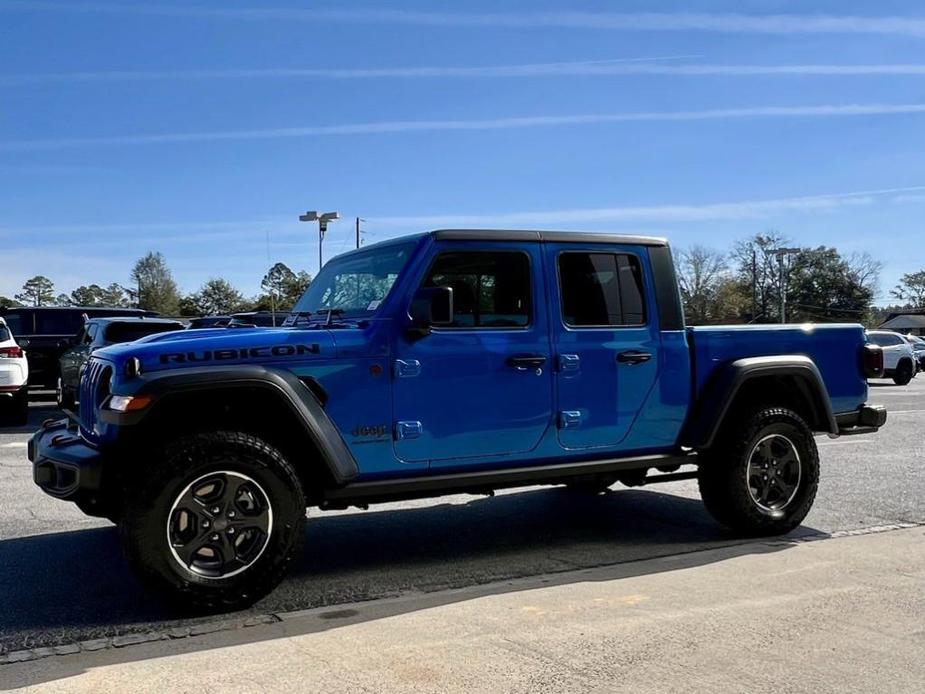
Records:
x=754, y=285
x=322, y=219
x=780, y=253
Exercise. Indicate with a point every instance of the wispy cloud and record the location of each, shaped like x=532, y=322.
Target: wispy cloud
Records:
x=287, y=232
x=593, y=68
x=644, y=21
x=393, y=127
x=674, y=213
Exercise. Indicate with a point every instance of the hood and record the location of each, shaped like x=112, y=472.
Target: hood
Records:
x=222, y=346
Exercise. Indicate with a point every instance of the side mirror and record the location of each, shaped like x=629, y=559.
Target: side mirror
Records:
x=431, y=306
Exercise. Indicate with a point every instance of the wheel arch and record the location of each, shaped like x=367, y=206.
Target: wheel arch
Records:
x=791, y=381
x=275, y=405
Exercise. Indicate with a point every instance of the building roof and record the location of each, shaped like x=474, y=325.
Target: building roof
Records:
x=905, y=322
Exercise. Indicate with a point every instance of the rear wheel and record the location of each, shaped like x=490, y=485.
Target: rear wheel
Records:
x=15, y=411
x=762, y=477
x=21, y=407
x=216, y=522
x=904, y=373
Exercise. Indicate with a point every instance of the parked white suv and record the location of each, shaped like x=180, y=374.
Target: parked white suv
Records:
x=14, y=378
x=898, y=357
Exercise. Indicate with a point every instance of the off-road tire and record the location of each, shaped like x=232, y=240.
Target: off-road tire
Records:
x=904, y=373
x=152, y=492
x=724, y=481
x=21, y=407
x=15, y=412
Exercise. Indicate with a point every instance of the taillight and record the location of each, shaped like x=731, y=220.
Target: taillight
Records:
x=872, y=361
x=10, y=353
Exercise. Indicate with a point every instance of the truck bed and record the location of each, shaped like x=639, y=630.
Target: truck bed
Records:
x=835, y=348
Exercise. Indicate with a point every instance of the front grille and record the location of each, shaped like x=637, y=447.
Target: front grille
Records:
x=94, y=388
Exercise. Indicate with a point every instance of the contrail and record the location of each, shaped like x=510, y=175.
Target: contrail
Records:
x=393, y=127
x=602, y=68
x=621, y=21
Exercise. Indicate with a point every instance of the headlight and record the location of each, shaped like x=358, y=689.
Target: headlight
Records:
x=128, y=403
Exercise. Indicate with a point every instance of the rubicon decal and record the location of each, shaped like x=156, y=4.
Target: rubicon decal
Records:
x=239, y=353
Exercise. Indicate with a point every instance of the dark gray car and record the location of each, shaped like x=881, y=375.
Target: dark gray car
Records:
x=96, y=333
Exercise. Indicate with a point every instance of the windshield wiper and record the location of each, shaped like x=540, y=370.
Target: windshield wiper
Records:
x=297, y=316
x=331, y=313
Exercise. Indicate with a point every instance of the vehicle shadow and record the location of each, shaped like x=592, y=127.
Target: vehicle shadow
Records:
x=38, y=413
x=74, y=586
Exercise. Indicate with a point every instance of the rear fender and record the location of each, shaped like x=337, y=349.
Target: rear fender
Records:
x=716, y=404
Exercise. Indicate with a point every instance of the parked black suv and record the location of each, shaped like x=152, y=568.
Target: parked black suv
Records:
x=46, y=332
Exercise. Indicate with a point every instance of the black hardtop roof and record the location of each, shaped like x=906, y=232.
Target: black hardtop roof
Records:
x=545, y=236
x=522, y=235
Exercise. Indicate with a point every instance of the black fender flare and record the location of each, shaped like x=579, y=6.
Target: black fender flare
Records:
x=720, y=391
x=285, y=385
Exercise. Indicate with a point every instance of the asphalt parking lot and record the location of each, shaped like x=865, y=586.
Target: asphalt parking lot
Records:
x=62, y=578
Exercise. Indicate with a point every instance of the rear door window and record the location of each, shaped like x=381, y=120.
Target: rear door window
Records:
x=886, y=340
x=601, y=290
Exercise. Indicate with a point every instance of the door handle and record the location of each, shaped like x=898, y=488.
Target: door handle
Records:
x=633, y=357
x=526, y=362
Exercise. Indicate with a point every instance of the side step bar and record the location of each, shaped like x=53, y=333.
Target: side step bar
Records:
x=484, y=481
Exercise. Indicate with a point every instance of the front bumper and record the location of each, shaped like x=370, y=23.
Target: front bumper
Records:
x=64, y=465
x=865, y=420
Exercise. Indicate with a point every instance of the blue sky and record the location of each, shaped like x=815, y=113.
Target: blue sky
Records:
x=200, y=130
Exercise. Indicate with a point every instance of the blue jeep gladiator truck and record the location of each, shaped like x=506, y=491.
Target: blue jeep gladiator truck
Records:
x=456, y=361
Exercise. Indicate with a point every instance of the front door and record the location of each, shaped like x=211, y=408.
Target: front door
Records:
x=605, y=341
x=482, y=386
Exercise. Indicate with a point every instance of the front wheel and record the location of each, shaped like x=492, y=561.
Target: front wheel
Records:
x=762, y=478
x=216, y=522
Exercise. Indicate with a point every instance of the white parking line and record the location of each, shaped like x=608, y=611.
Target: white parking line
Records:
x=15, y=444
x=889, y=412
x=846, y=442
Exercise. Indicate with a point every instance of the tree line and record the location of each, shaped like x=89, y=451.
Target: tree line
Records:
x=740, y=285
x=745, y=283
x=153, y=288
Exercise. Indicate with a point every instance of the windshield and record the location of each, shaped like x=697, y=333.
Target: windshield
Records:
x=356, y=283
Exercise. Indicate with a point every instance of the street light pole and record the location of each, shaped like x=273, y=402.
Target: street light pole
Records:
x=780, y=253
x=322, y=219
x=358, y=230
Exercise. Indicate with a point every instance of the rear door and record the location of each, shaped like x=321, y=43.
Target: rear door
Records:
x=606, y=343
x=481, y=387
